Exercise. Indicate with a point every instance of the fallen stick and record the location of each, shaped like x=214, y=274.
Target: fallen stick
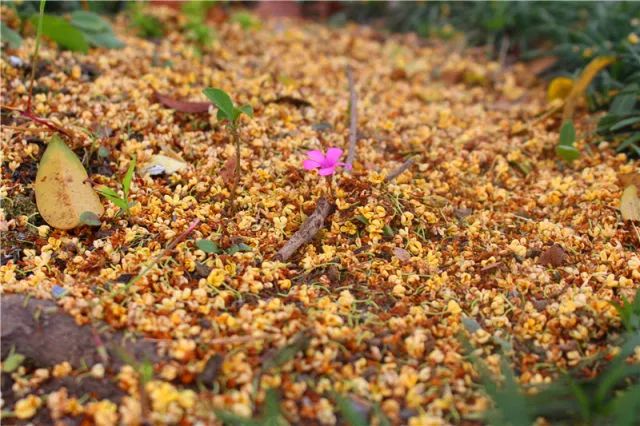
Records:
x=353, y=116
x=307, y=231
x=399, y=170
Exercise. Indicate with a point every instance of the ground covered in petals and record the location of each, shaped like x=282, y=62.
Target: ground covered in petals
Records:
x=488, y=233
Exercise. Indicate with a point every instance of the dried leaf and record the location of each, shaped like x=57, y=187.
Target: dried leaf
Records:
x=402, y=254
x=581, y=84
x=228, y=171
x=629, y=179
x=553, y=256
x=62, y=190
x=183, y=106
x=291, y=100
x=630, y=203
x=160, y=164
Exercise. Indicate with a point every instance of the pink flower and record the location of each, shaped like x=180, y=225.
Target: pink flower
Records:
x=326, y=163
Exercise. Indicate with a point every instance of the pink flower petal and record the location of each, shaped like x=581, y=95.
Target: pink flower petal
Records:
x=316, y=156
x=333, y=155
x=310, y=164
x=326, y=171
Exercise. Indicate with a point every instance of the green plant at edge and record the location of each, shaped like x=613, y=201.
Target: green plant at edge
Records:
x=230, y=113
x=271, y=414
x=629, y=312
x=608, y=398
x=111, y=195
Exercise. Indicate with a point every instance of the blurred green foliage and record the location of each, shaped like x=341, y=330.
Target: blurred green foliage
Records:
x=572, y=32
x=610, y=398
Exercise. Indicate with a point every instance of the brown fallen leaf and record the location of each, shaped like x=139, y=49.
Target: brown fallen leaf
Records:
x=291, y=100
x=553, y=256
x=228, y=171
x=402, y=254
x=629, y=179
x=630, y=203
x=183, y=106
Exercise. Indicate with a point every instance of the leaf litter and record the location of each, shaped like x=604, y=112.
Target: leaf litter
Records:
x=385, y=308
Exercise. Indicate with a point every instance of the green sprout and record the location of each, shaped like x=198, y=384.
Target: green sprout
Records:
x=565, y=148
x=230, y=113
x=111, y=195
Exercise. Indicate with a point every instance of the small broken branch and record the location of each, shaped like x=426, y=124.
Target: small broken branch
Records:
x=399, y=170
x=353, y=116
x=307, y=231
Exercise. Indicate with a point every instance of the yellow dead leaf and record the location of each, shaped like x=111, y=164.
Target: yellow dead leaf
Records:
x=630, y=203
x=581, y=84
x=62, y=189
x=163, y=164
x=559, y=88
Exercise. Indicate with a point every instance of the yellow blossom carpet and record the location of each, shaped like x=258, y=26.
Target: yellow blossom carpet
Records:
x=372, y=308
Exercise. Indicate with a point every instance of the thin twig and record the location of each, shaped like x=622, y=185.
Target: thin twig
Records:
x=399, y=170
x=353, y=115
x=307, y=231
x=504, y=49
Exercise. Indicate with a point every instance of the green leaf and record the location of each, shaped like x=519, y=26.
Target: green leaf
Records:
x=89, y=21
x=567, y=134
x=106, y=40
x=629, y=142
x=208, y=246
x=567, y=153
x=565, y=148
x=246, y=20
x=351, y=415
x=90, y=218
x=624, y=123
x=272, y=408
x=145, y=369
x=221, y=100
x=625, y=407
x=242, y=247
x=112, y=196
x=107, y=192
x=11, y=37
x=247, y=109
x=12, y=362
x=625, y=100
x=63, y=33
x=128, y=177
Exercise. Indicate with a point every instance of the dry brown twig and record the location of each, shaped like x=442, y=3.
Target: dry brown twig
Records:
x=353, y=116
x=324, y=208
x=399, y=170
x=307, y=231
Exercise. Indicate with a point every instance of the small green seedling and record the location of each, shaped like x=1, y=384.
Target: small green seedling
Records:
x=196, y=26
x=111, y=195
x=565, y=148
x=246, y=20
x=83, y=30
x=230, y=113
x=210, y=247
x=12, y=361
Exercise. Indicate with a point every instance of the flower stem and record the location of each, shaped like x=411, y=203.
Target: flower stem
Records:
x=236, y=178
